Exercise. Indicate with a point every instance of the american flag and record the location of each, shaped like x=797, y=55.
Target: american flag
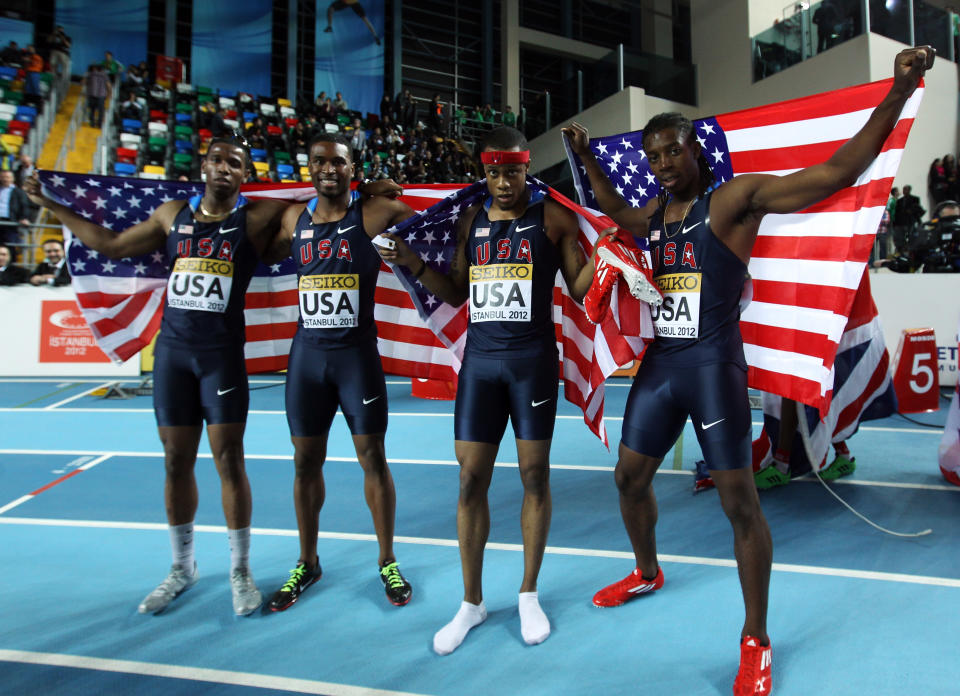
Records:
x=805, y=266
x=862, y=390
x=123, y=300
x=589, y=354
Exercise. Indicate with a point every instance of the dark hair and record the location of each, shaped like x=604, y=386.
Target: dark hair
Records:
x=502, y=138
x=338, y=138
x=58, y=242
x=684, y=128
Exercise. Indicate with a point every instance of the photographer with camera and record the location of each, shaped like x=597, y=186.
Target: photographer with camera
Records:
x=931, y=247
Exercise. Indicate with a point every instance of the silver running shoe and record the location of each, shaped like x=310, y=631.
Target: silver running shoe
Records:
x=176, y=582
x=246, y=596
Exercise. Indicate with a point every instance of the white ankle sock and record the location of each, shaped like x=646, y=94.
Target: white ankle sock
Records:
x=534, y=624
x=181, y=542
x=239, y=548
x=448, y=638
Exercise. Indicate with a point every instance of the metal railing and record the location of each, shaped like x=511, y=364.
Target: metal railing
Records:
x=101, y=155
x=31, y=246
x=70, y=137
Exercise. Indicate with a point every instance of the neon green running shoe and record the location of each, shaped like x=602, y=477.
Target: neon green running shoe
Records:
x=842, y=465
x=770, y=477
x=395, y=585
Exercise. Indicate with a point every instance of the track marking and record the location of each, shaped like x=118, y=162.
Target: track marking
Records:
x=452, y=462
x=84, y=467
x=71, y=385
x=553, y=550
x=78, y=396
x=199, y=674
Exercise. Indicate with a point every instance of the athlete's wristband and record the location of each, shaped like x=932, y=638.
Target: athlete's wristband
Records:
x=423, y=267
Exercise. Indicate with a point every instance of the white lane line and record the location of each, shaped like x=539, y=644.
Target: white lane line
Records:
x=78, y=396
x=199, y=674
x=21, y=500
x=554, y=550
x=452, y=462
x=933, y=430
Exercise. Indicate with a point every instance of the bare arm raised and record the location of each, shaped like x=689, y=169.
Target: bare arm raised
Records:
x=144, y=237
x=738, y=207
x=635, y=220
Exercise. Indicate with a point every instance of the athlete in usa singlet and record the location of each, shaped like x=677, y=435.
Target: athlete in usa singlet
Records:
x=510, y=359
x=202, y=332
x=334, y=359
x=695, y=366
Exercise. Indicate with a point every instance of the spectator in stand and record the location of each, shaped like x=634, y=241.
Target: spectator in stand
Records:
x=436, y=115
x=937, y=182
x=111, y=66
x=509, y=118
x=33, y=64
x=376, y=170
x=131, y=108
x=406, y=110
x=15, y=207
x=24, y=168
x=392, y=138
x=488, y=114
x=950, y=172
x=907, y=215
x=256, y=133
x=135, y=78
x=386, y=107
x=97, y=88
x=218, y=124
x=377, y=143
x=340, y=104
x=358, y=140
x=298, y=138
x=59, y=44
x=54, y=270
x=11, y=54
x=9, y=273
x=325, y=111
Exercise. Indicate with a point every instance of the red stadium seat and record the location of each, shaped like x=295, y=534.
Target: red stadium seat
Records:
x=291, y=122
x=125, y=154
x=158, y=116
x=18, y=128
x=230, y=113
x=274, y=130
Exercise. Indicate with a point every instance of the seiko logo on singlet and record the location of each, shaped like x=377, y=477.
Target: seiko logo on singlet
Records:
x=329, y=301
x=501, y=292
x=200, y=284
x=679, y=315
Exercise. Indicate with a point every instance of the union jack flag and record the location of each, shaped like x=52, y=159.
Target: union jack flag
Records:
x=805, y=266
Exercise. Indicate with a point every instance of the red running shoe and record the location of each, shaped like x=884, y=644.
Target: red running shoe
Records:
x=620, y=592
x=597, y=299
x=755, y=675
x=633, y=267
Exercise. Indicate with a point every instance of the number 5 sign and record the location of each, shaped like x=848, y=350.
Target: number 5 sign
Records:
x=915, y=377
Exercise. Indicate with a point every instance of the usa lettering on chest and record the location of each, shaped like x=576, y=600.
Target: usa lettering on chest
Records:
x=505, y=250
x=325, y=249
x=206, y=247
x=672, y=254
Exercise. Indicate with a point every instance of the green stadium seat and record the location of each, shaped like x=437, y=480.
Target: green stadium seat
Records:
x=281, y=157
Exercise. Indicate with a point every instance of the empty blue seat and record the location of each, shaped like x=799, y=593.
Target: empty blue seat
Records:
x=130, y=125
x=184, y=118
x=26, y=113
x=183, y=146
x=228, y=93
x=8, y=73
x=248, y=116
x=124, y=169
x=285, y=171
x=258, y=155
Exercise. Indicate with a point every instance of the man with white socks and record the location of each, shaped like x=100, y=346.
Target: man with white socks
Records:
x=509, y=249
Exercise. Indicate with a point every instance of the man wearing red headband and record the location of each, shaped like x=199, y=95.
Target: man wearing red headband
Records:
x=509, y=250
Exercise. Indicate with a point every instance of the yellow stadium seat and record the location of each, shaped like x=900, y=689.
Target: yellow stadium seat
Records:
x=305, y=173
x=284, y=102
x=261, y=167
x=288, y=181
x=154, y=169
x=12, y=142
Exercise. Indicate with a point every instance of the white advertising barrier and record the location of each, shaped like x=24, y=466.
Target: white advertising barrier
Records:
x=44, y=335
x=920, y=300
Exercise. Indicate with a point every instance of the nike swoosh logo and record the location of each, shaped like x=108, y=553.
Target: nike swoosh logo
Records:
x=370, y=401
x=341, y=230
x=524, y=229
x=221, y=392
x=707, y=426
x=687, y=229
x=539, y=403
x=228, y=230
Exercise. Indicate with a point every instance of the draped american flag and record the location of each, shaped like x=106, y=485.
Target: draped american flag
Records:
x=805, y=266
x=122, y=300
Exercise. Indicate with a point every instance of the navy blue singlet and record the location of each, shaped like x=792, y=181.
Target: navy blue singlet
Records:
x=338, y=267
x=211, y=269
x=513, y=266
x=701, y=280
